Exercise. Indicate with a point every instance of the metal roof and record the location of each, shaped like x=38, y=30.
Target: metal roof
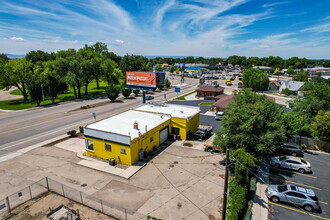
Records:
x=178, y=111
x=123, y=124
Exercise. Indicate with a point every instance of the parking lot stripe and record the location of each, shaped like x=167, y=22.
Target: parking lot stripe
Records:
x=288, y=181
x=297, y=210
x=294, y=172
x=324, y=203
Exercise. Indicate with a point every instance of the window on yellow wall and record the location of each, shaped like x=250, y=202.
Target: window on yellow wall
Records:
x=123, y=150
x=107, y=147
x=151, y=139
x=89, y=145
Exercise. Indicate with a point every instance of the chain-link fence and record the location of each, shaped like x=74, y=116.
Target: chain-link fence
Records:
x=47, y=184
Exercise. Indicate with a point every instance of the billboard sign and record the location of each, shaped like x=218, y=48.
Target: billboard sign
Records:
x=141, y=79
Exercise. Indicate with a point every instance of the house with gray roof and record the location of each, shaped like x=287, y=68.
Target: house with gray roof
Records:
x=293, y=86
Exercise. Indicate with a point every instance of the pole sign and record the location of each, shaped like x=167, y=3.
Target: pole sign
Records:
x=177, y=90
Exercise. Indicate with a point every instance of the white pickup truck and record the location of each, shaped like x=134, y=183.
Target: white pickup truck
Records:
x=203, y=132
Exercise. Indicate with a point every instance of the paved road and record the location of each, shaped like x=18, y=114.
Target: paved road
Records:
x=20, y=129
x=318, y=181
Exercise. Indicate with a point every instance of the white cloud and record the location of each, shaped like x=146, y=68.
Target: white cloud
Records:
x=120, y=41
x=318, y=28
x=275, y=4
x=17, y=38
x=263, y=46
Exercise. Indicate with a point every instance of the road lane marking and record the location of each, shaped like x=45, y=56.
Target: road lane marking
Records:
x=288, y=181
x=294, y=172
x=324, y=203
x=297, y=210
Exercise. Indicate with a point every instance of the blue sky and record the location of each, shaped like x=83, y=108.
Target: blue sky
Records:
x=210, y=28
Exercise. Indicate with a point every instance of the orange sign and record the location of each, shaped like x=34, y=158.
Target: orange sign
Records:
x=145, y=79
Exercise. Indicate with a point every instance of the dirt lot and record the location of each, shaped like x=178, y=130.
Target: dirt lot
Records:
x=37, y=209
x=179, y=183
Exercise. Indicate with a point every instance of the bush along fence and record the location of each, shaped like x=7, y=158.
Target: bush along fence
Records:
x=39, y=188
x=310, y=142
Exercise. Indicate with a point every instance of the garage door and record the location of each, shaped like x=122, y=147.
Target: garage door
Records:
x=163, y=135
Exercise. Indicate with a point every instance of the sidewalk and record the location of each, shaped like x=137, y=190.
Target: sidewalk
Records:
x=77, y=145
x=260, y=201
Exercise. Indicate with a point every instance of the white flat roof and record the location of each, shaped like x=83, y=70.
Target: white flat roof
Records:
x=178, y=111
x=123, y=123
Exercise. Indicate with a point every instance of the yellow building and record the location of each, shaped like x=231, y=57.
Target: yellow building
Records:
x=184, y=119
x=126, y=137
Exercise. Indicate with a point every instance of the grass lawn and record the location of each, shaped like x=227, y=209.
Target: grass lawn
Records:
x=206, y=103
x=18, y=104
x=183, y=97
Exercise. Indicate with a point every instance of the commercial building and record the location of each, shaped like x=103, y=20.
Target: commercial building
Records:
x=129, y=136
x=209, y=91
x=184, y=119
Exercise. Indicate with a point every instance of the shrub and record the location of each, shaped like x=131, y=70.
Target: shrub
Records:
x=81, y=129
x=304, y=146
x=236, y=201
x=315, y=147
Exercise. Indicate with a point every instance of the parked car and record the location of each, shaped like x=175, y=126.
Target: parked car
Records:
x=149, y=97
x=290, y=149
x=203, y=132
x=293, y=194
x=219, y=115
x=293, y=163
x=215, y=77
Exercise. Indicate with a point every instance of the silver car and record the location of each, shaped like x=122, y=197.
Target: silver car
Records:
x=293, y=163
x=293, y=194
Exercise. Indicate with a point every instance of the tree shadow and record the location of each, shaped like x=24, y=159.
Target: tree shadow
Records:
x=257, y=199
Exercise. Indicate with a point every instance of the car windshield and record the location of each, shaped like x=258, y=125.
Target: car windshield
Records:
x=314, y=198
x=303, y=161
x=282, y=158
x=282, y=188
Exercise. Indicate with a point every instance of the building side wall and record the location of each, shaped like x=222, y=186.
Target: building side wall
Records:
x=101, y=152
x=147, y=141
x=193, y=123
x=180, y=123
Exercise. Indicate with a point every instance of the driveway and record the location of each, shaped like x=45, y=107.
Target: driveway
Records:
x=318, y=181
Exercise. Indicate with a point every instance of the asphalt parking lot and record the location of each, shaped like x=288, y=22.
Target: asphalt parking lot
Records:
x=318, y=180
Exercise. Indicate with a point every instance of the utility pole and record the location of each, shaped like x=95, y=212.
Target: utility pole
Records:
x=224, y=202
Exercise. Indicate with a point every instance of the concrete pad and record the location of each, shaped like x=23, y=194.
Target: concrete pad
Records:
x=76, y=145
x=260, y=201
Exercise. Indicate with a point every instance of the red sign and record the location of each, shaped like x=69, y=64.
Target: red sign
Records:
x=144, y=79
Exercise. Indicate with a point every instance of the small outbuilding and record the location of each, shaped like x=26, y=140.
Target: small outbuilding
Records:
x=274, y=86
x=222, y=102
x=209, y=91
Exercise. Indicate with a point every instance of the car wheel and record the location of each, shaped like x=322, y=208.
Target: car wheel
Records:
x=294, y=154
x=210, y=150
x=277, y=165
x=275, y=199
x=301, y=170
x=308, y=208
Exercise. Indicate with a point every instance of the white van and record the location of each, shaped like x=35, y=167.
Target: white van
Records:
x=219, y=115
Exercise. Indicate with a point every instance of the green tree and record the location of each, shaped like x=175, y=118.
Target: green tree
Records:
x=4, y=56
x=321, y=126
x=18, y=73
x=287, y=92
x=159, y=67
x=136, y=92
x=132, y=63
x=113, y=91
x=39, y=56
x=190, y=59
x=255, y=79
x=290, y=71
x=167, y=83
x=172, y=69
x=300, y=76
x=252, y=122
x=126, y=92
x=177, y=71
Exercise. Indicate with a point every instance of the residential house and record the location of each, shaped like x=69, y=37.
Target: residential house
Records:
x=293, y=86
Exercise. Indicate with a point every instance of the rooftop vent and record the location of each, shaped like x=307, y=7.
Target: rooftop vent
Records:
x=136, y=125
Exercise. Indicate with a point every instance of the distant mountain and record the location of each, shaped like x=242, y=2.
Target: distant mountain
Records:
x=14, y=56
